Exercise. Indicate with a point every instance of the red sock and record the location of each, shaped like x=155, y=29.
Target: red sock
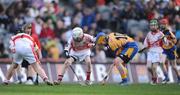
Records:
x=88, y=75
x=44, y=79
x=60, y=77
x=154, y=79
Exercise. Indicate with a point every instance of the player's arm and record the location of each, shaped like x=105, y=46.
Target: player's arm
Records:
x=11, y=46
x=173, y=37
x=38, y=51
x=164, y=38
x=91, y=41
x=68, y=47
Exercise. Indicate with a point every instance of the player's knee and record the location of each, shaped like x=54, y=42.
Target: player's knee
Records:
x=88, y=62
x=117, y=61
x=67, y=62
x=15, y=66
x=124, y=58
x=154, y=66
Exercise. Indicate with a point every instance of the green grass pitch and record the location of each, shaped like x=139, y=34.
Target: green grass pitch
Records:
x=95, y=89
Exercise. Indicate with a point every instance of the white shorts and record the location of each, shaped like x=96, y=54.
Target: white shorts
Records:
x=153, y=57
x=163, y=58
x=80, y=55
x=27, y=53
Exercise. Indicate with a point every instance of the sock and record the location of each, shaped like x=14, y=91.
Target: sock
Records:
x=88, y=75
x=178, y=78
x=166, y=75
x=124, y=73
x=60, y=77
x=154, y=79
x=29, y=78
x=44, y=79
x=19, y=78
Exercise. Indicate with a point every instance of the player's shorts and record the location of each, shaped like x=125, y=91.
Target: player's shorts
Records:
x=154, y=57
x=170, y=53
x=129, y=51
x=163, y=58
x=80, y=55
x=24, y=52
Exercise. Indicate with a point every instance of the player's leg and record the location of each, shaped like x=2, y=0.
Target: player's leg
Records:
x=149, y=63
x=164, y=66
x=26, y=65
x=125, y=56
x=38, y=69
x=67, y=62
x=122, y=69
x=10, y=72
x=152, y=62
x=88, y=71
x=154, y=73
x=17, y=60
x=174, y=66
x=19, y=75
x=30, y=74
x=33, y=60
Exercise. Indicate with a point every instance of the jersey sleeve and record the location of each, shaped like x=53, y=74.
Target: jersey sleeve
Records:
x=11, y=43
x=174, y=40
x=146, y=42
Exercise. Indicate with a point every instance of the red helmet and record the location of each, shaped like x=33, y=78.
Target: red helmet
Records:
x=163, y=21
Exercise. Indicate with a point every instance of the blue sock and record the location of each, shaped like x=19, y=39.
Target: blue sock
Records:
x=125, y=79
x=166, y=75
x=178, y=78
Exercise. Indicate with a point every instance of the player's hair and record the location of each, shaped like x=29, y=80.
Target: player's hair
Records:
x=27, y=25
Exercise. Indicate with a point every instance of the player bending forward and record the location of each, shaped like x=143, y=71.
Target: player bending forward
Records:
x=22, y=46
x=124, y=48
x=78, y=49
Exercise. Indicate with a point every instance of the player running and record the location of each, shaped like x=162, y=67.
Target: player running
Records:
x=78, y=49
x=169, y=49
x=124, y=48
x=153, y=42
x=22, y=46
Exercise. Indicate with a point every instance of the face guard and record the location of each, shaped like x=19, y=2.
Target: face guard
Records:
x=153, y=25
x=163, y=24
x=77, y=34
x=100, y=38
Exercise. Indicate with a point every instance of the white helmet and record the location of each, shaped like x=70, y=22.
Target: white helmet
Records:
x=77, y=34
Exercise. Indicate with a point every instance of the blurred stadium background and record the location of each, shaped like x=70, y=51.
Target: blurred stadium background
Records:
x=53, y=20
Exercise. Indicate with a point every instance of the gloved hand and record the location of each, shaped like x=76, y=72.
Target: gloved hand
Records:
x=66, y=52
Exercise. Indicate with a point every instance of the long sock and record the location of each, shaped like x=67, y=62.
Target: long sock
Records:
x=154, y=79
x=29, y=78
x=124, y=73
x=88, y=75
x=178, y=78
x=19, y=78
x=60, y=77
x=166, y=75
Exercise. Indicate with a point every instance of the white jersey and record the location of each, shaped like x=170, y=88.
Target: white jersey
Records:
x=81, y=49
x=23, y=47
x=21, y=40
x=154, y=41
x=85, y=44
